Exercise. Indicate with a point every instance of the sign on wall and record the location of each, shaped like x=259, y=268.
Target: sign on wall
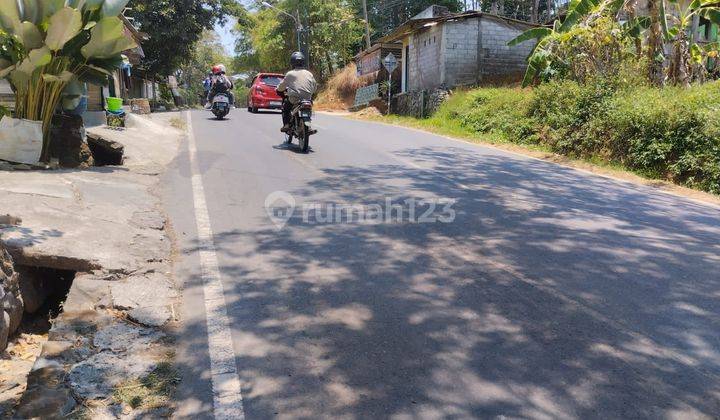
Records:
x=364, y=95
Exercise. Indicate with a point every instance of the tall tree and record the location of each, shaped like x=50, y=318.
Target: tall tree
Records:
x=174, y=27
x=331, y=30
x=386, y=15
x=207, y=52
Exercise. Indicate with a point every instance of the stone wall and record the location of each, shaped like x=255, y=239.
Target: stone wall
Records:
x=419, y=104
x=11, y=306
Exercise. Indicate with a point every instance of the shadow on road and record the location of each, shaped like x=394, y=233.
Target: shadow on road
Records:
x=552, y=295
x=292, y=147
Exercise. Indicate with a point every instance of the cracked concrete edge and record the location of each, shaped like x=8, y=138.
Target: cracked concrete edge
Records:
x=23, y=256
x=88, y=305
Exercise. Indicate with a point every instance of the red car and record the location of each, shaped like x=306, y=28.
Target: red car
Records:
x=262, y=93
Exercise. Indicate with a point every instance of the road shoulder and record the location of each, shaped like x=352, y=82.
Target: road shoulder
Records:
x=584, y=166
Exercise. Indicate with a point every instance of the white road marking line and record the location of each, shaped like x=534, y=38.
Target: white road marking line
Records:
x=227, y=393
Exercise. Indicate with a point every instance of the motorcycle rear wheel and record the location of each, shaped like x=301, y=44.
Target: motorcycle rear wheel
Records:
x=303, y=137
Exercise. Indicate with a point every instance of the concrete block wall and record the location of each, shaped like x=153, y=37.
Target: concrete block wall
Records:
x=498, y=61
x=461, y=50
x=446, y=55
x=425, y=59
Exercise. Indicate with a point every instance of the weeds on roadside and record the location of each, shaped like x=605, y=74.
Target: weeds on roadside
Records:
x=178, y=123
x=152, y=391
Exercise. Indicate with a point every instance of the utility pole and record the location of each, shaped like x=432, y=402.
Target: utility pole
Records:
x=367, y=25
x=299, y=29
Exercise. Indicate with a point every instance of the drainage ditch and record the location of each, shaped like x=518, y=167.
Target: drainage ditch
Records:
x=44, y=291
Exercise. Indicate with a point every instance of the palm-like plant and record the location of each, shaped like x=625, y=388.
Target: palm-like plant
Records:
x=579, y=12
x=676, y=29
x=49, y=47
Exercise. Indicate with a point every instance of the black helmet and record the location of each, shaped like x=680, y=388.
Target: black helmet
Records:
x=297, y=59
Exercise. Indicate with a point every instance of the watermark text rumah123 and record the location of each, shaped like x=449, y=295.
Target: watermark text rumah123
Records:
x=282, y=208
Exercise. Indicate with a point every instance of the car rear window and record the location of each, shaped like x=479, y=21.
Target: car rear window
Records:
x=271, y=80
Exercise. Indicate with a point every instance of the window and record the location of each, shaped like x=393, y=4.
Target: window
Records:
x=271, y=80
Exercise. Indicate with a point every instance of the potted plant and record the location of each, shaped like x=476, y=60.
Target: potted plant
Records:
x=50, y=48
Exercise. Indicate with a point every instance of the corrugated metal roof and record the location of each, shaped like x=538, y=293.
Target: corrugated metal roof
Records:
x=414, y=25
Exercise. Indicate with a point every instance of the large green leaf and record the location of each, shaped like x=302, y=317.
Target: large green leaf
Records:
x=64, y=26
x=663, y=20
x=712, y=14
x=36, y=59
x=635, y=26
x=112, y=8
x=576, y=12
x=107, y=39
x=63, y=77
x=50, y=7
x=29, y=35
x=9, y=15
x=5, y=67
x=534, y=33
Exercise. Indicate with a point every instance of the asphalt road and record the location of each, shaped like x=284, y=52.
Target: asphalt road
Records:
x=552, y=294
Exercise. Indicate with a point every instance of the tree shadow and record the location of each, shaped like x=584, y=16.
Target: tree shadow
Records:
x=552, y=294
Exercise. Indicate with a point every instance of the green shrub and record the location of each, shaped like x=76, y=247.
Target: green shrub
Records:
x=498, y=111
x=670, y=133
x=563, y=112
x=241, y=94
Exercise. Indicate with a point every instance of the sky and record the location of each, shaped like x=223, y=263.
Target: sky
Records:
x=225, y=31
x=226, y=36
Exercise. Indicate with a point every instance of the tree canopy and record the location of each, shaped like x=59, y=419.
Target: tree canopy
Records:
x=174, y=27
x=331, y=32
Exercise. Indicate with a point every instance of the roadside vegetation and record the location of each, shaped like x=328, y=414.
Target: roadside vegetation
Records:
x=339, y=92
x=150, y=392
x=605, y=92
x=671, y=134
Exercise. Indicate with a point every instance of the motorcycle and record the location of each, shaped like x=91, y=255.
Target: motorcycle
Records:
x=221, y=105
x=300, y=125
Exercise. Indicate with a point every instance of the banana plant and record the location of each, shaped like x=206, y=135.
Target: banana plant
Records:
x=688, y=54
x=579, y=12
x=50, y=47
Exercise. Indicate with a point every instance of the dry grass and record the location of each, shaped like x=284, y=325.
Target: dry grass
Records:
x=152, y=391
x=339, y=91
x=178, y=123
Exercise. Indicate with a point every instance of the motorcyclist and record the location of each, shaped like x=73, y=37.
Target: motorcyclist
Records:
x=207, y=83
x=220, y=83
x=298, y=85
